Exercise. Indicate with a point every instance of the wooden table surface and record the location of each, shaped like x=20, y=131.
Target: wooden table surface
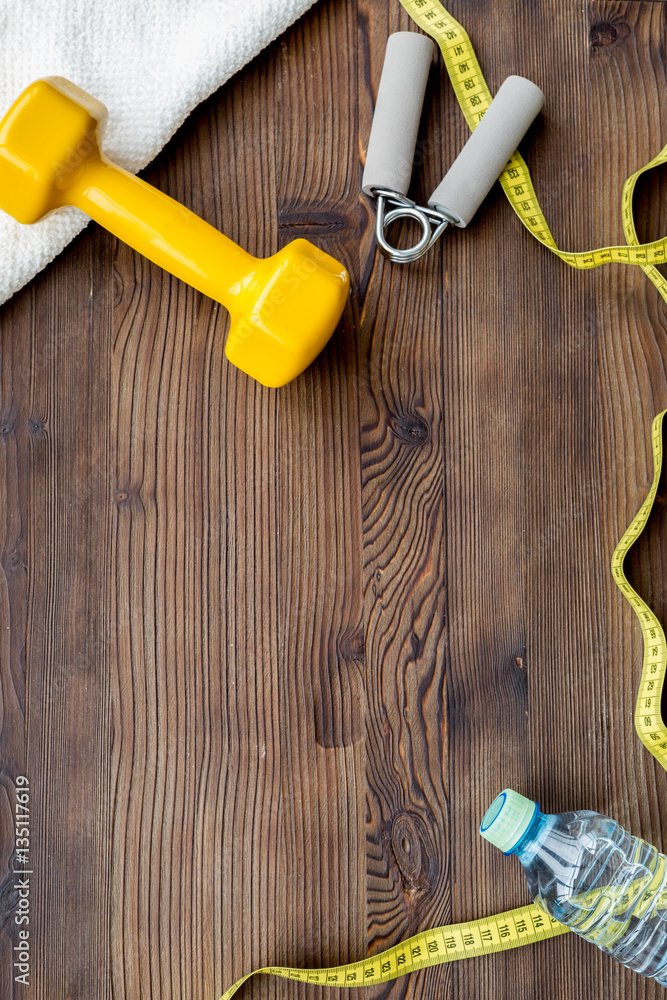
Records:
x=267, y=655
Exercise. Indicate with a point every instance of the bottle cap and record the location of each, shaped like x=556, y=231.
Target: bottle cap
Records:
x=507, y=819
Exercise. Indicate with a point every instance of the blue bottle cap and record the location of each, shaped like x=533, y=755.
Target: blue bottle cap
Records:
x=507, y=819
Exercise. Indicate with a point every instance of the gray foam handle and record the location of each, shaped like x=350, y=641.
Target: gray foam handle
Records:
x=391, y=147
x=485, y=155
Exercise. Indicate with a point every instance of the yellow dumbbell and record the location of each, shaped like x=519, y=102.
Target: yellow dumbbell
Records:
x=283, y=308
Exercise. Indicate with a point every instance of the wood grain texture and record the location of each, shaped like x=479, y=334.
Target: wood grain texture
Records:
x=266, y=655
x=55, y=666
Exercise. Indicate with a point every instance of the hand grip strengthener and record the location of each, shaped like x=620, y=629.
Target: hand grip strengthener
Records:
x=393, y=139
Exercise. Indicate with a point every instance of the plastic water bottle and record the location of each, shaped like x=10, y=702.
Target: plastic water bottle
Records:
x=590, y=874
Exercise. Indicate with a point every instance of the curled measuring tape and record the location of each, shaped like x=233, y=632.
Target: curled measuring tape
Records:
x=648, y=719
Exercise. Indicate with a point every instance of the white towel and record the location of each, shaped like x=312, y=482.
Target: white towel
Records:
x=150, y=61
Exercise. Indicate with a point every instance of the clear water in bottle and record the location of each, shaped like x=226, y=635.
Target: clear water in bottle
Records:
x=590, y=874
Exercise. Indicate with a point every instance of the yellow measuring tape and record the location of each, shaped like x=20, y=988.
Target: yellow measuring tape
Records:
x=529, y=924
x=442, y=944
x=648, y=719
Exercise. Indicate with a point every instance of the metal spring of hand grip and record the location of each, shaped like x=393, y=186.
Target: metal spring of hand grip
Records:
x=405, y=208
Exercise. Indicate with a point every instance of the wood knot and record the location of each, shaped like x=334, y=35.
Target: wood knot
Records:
x=310, y=222
x=127, y=495
x=351, y=644
x=605, y=33
x=7, y=425
x=36, y=427
x=414, y=861
x=410, y=429
x=8, y=896
x=14, y=559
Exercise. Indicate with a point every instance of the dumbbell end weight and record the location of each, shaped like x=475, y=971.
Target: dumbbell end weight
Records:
x=287, y=313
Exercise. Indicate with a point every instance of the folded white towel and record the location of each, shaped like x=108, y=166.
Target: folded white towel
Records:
x=150, y=61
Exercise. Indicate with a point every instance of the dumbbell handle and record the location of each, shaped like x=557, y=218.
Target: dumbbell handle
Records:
x=161, y=229
x=484, y=156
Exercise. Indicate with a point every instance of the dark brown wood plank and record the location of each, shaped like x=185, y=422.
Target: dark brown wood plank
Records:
x=321, y=599
x=626, y=73
x=198, y=768
x=266, y=655
x=405, y=583
x=552, y=669
x=55, y=345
